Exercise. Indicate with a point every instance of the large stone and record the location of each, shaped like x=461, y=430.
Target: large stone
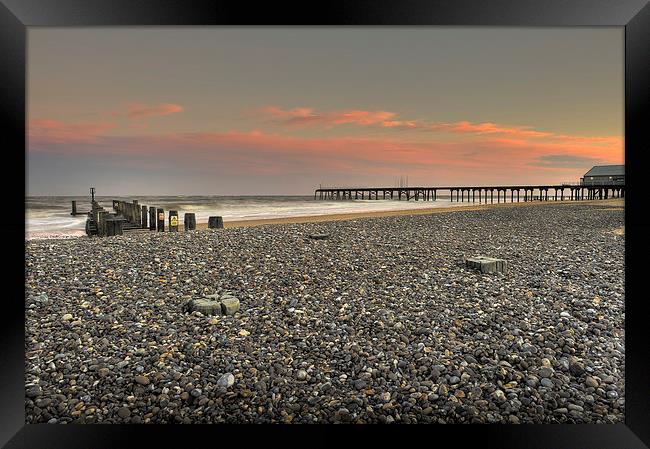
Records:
x=486, y=264
x=229, y=305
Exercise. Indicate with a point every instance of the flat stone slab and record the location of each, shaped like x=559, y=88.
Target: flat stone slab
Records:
x=487, y=264
x=207, y=306
x=319, y=236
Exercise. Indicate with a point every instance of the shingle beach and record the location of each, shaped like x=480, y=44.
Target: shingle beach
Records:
x=380, y=322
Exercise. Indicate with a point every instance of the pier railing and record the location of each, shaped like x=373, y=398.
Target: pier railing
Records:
x=485, y=194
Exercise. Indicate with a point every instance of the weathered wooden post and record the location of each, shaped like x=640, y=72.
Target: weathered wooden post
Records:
x=74, y=208
x=144, y=217
x=101, y=223
x=113, y=226
x=173, y=221
x=189, y=222
x=161, y=220
x=215, y=222
x=136, y=213
x=152, y=218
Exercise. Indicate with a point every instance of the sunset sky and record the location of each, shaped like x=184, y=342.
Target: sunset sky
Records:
x=269, y=111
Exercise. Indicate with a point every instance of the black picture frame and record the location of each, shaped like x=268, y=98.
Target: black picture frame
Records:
x=16, y=15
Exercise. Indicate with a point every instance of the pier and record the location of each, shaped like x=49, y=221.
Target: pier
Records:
x=480, y=194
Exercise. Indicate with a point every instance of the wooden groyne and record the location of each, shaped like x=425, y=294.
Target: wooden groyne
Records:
x=481, y=194
x=131, y=216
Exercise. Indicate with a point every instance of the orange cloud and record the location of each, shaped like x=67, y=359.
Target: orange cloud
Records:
x=384, y=119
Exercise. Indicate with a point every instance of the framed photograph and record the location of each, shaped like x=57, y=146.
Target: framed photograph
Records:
x=382, y=216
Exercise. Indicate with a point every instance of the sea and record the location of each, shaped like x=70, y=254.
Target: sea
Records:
x=48, y=217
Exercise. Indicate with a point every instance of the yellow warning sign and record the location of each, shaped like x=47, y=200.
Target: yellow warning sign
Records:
x=173, y=220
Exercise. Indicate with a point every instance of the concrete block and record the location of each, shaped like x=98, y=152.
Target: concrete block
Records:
x=229, y=305
x=487, y=264
x=207, y=306
x=223, y=303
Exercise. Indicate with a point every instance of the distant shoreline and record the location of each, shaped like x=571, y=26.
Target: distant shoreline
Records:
x=320, y=218
x=395, y=213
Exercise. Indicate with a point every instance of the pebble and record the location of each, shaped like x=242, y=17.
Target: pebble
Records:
x=226, y=381
x=546, y=382
x=34, y=391
x=576, y=367
x=142, y=380
x=545, y=372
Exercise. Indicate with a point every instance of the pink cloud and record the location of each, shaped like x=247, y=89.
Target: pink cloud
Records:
x=138, y=111
x=50, y=130
x=494, y=153
x=248, y=153
x=309, y=116
x=486, y=128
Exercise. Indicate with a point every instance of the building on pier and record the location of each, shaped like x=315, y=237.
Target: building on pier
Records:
x=604, y=174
